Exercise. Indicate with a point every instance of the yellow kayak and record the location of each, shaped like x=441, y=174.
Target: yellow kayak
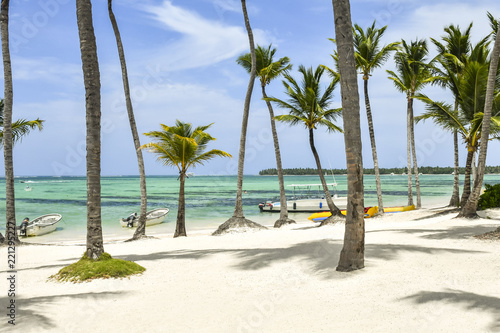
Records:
x=318, y=217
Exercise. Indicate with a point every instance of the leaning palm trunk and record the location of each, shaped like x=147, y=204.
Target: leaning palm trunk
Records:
x=141, y=226
x=470, y=207
x=455, y=197
x=329, y=201
x=374, y=147
x=414, y=154
x=180, y=228
x=467, y=181
x=353, y=251
x=283, y=205
x=91, y=77
x=408, y=151
x=10, y=209
x=238, y=220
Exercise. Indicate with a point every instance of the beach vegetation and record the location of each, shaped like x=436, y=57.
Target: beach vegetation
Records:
x=267, y=70
x=413, y=73
x=183, y=147
x=468, y=121
x=490, y=116
x=370, y=55
x=140, y=231
x=238, y=222
x=104, y=267
x=352, y=256
x=19, y=129
x=453, y=49
x=490, y=197
x=311, y=107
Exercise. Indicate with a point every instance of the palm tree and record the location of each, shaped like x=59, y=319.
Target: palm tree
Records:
x=469, y=209
x=413, y=74
x=10, y=210
x=369, y=56
x=471, y=104
x=238, y=219
x=267, y=70
x=353, y=251
x=183, y=147
x=311, y=108
x=20, y=127
x=140, y=232
x=452, y=56
x=91, y=78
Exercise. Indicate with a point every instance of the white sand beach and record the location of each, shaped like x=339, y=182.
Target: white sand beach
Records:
x=424, y=272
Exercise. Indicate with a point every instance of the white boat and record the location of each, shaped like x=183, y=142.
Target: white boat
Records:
x=155, y=216
x=305, y=203
x=42, y=225
x=28, y=188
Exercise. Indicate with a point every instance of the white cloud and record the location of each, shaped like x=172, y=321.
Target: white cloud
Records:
x=202, y=42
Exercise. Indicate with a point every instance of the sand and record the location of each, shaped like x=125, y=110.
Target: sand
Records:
x=425, y=272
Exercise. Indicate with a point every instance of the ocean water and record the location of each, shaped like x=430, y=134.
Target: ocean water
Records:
x=209, y=199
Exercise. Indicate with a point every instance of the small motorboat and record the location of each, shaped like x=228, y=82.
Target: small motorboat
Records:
x=41, y=225
x=306, y=201
x=155, y=216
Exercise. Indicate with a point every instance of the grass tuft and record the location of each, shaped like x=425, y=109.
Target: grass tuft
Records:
x=105, y=267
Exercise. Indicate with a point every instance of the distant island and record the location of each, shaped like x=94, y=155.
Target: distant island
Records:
x=383, y=171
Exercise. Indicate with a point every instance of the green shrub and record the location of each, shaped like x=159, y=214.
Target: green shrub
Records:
x=105, y=267
x=490, y=197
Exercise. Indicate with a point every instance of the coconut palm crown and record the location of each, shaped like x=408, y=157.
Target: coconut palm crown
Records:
x=20, y=127
x=182, y=146
x=309, y=107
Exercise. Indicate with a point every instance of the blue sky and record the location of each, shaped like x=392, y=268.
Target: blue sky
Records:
x=181, y=60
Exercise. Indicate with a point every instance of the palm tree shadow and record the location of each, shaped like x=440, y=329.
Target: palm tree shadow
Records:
x=459, y=232
x=469, y=301
x=31, y=312
x=318, y=257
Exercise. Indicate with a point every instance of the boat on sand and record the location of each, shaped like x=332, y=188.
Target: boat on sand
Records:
x=155, y=216
x=41, y=225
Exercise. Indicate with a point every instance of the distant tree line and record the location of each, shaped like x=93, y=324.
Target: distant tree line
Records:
x=384, y=171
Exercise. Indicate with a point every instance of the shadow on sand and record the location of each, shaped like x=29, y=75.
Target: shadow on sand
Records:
x=467, y=300
x=31, y=312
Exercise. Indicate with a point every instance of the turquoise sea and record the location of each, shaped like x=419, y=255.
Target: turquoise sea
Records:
x=209, y=199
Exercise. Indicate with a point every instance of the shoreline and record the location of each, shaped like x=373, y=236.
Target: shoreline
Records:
x=424, y=271
x=265, y=219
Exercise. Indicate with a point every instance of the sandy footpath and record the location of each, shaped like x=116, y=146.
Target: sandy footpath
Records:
x=424, y=273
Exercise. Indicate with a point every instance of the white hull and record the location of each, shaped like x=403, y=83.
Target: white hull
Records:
x=304, y=205
x=155, y=216
x=42, y=225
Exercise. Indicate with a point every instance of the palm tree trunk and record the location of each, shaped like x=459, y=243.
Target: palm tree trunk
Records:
x=10, y=208
x=353, y=252
x=238, y=210
x=455, y=197
x=90, y=67
x=414, y=153
x=467, y=181
x=374, y=148
x=141, y=226
x=238, y=220
x=331, y=206
x=283, y=205
x=469, y=209
x=408, y=151
x=180, y=228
